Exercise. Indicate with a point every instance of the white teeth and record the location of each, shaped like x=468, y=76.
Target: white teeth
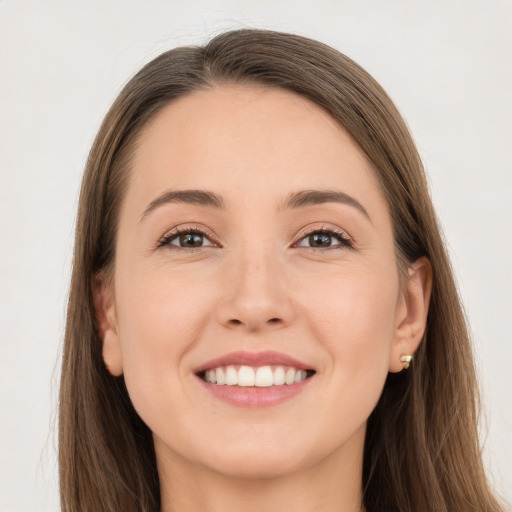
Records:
x=264, y=377
x=290, y=376
x=231, y=376
x=300, y=375
x=221, y=378
x=246, y=376
x=278, y=376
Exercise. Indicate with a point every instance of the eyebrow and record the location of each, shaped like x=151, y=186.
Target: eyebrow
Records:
x=295, y=200
x=197, y=197
x=312, y=197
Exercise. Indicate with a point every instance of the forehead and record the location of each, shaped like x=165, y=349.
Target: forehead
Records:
x=247, y=142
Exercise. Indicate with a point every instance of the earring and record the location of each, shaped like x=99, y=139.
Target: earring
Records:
x=406, y=358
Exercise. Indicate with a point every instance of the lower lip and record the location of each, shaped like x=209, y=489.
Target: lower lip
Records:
x=254, y=396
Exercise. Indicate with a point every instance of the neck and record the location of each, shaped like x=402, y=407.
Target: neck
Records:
x=332, y=484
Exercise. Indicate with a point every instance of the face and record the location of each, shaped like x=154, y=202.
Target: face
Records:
x=254, y=247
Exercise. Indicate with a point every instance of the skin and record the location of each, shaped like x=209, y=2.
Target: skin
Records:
x=257, y=284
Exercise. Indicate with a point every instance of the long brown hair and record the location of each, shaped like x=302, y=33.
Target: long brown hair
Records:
x=422, y=450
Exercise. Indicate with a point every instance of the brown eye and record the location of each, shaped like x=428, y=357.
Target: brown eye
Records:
x=325, y=239
x=186, y=239
x=320, y=240
x=190, y=240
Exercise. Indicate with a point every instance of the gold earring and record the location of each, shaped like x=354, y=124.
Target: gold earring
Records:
x=406, y=358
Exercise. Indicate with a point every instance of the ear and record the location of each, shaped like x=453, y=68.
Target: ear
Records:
x=411, y=318
x=104, y=306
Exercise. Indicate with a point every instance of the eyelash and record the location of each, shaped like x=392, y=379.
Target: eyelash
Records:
x=166, y=240
x=343, y=238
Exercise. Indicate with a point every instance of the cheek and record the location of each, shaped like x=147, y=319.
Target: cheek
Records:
x=161, y=310
x=353, y=316
x=160, y=317
x=354, y=308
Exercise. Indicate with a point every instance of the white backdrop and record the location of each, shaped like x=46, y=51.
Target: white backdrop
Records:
x=447, y=65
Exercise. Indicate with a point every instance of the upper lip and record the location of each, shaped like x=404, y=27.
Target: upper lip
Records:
x=265, y=358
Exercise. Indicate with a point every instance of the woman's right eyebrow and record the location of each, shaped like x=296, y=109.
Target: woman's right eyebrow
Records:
x=197, y=197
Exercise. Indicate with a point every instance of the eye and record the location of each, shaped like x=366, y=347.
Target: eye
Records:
x=325, y=238
x=188, y=238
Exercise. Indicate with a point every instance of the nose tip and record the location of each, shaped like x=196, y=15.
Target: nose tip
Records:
x=255, y=299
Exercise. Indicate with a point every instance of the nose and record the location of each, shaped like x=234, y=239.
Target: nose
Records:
x=255, y=296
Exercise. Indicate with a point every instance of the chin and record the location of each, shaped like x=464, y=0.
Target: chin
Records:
x=264, y=456
x=259, y=465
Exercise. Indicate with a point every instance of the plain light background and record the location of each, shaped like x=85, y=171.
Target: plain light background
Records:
x=448, y=67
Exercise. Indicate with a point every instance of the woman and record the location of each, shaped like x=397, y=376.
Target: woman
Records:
x=262, y=314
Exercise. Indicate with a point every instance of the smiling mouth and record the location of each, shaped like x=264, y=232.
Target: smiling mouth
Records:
x=250, y=376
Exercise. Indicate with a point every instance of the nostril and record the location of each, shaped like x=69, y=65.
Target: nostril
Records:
x=235, y=321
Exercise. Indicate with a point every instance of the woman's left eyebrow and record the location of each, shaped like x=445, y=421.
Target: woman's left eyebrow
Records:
x=312, y=197
x=295, y=200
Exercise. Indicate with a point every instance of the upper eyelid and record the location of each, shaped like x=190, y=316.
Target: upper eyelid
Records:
x=188, y=229
x=328, y=229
